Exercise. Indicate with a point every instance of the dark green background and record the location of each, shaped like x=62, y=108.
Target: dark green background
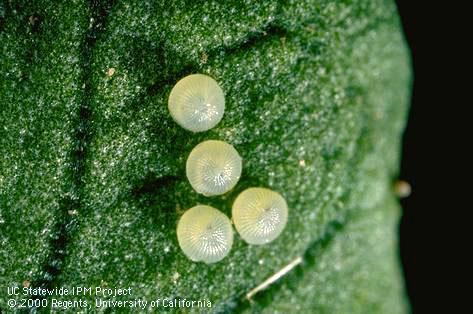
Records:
x=92, y=178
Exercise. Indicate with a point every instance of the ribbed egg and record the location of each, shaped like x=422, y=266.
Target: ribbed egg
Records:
x=213, y=167
x=197, y=103
x=205, y=234
x=259, y=215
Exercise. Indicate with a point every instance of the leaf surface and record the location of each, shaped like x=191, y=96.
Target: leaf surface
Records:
x=92, y=170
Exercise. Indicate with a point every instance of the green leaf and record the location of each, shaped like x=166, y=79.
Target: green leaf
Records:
x=92, y=179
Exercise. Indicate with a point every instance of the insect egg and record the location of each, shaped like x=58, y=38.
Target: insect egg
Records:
x=205, y=234
x=213, y=167
x=259, y=215
x=196, y=103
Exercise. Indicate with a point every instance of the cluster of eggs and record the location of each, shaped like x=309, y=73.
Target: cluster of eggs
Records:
x=204, y=233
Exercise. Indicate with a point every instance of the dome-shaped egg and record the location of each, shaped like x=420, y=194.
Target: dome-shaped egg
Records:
x=213, y=167
x=259, y=215
x=205, y=234
x=197, y=103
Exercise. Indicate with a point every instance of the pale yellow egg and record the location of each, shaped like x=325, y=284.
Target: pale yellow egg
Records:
x=205, y=234
x=259, y=215
x=213, y=167
x=197, y=103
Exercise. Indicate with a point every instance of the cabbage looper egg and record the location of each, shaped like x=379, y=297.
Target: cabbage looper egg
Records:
x=205, y=234
x=213, y=167
x=259, y=215
x=197, y=103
